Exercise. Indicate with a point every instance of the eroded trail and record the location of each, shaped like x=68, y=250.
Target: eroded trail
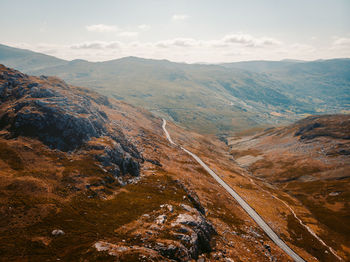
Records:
x=251, y=212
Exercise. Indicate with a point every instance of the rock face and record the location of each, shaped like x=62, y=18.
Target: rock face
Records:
x=200, y=230
x=192, y=196
x=64, y=118
x=332, y=126
x=333, y=130
x=120, y=159
x=177, y=235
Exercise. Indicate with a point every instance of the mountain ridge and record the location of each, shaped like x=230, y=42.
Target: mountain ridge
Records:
x=167, y=60
x=214, y=99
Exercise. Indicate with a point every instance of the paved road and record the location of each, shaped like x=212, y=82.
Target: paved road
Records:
x=251, y=212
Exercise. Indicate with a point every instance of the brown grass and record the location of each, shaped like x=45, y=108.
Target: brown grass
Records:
x=86, y=220
x=10, y=157
x=240, y=153
x=302, y=238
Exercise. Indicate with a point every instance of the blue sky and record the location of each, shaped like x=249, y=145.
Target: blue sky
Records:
x=179, y=30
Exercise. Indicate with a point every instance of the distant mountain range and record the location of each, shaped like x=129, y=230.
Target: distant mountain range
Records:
x=223, y=98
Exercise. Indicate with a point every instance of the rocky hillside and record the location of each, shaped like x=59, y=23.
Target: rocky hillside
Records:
x=87, y=178
x=64, y=154
x=310, y=161
x=64, y=118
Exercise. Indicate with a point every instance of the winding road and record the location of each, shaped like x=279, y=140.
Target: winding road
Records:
x=251, y=212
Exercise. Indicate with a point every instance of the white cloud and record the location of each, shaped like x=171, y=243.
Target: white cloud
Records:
x=246, y=40
x=341, y=41
x=237, y=40
x=144, y=27
x=128, y=34
x=341, y=46
x=302, y=48
x=179, y=17
x=178, y=42
x=102, y=28
x=97, y=45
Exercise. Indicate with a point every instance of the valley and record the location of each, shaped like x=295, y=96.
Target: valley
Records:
x=88, y=177
x=255, y=216
x=121, y=190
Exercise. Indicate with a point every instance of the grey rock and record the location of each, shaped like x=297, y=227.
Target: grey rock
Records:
x=161, y=219
x=187, y=207
x=64, y=118
x=178, y=253
x=169, y=207
x=200, y=232
x=192, y=196
x=57, y=232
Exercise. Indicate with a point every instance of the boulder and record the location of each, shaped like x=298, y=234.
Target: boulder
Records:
x=201, y=232
x=57, y=232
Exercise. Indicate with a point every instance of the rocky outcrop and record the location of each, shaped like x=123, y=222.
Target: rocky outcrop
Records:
x=192, y=196
x=63, y=118
x=179, y=235
x=194, y=229
x=332, y=131
x=332, y=126
x=123, y=253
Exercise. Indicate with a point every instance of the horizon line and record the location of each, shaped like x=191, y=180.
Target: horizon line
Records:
x=194, y=63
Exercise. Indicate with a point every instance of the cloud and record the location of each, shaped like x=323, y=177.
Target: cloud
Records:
x=302, y=47
x=102, y=28
x=178, y=42
x=97, y=45
x=179, y=17
x=341, y=42
x=246, y=40
x=128, y=34
x=243, y=40
x=144, y=27
x=341, y=46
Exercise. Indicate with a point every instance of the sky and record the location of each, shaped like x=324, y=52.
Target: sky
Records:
x=191, y=31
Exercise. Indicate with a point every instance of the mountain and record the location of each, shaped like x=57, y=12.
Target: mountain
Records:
x=289, y=66
x=322, y=81
x=212, y=99
x=262, y=66
x=23, y=59
x=310, y=161
x=86, y=177
x=70, y=178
